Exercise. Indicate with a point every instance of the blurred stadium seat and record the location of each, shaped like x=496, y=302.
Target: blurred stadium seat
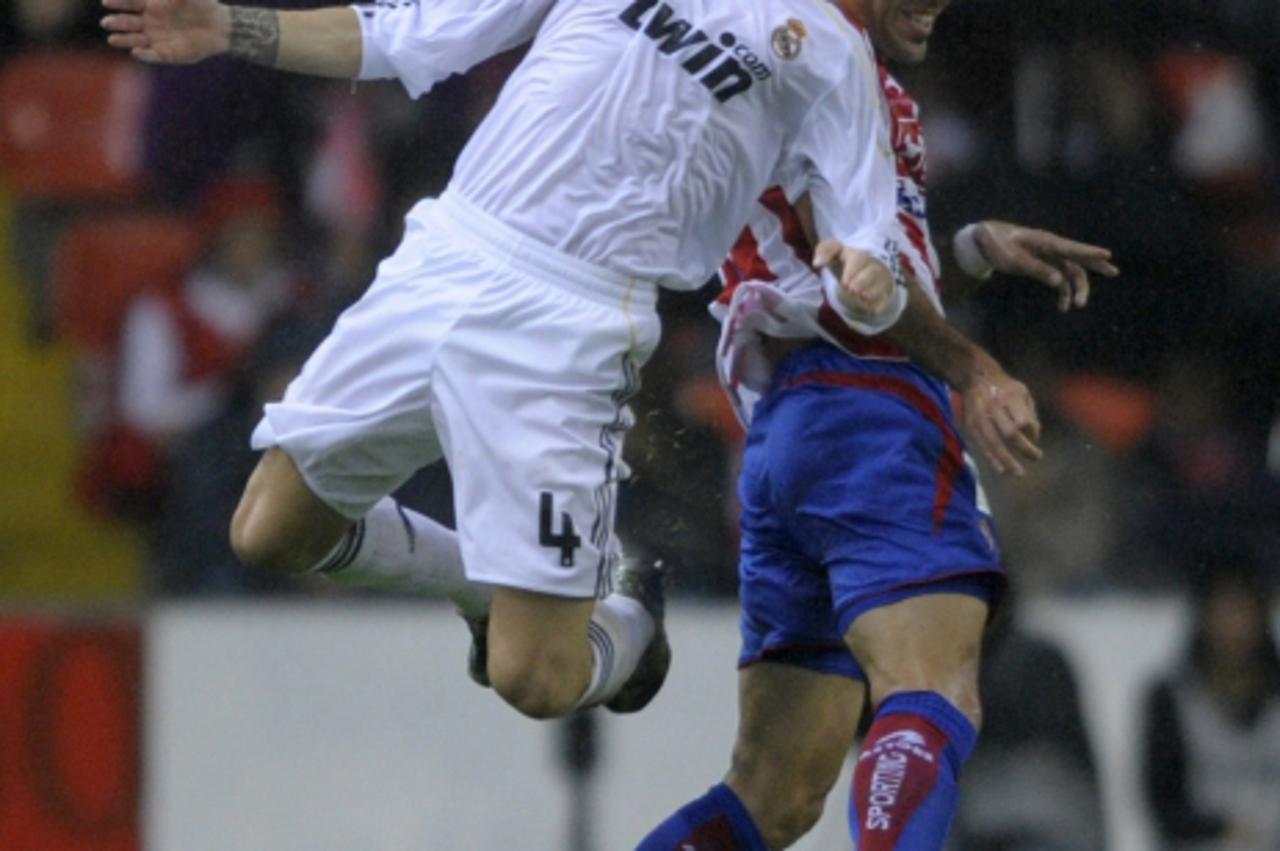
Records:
x=101, y=263
x=70, y=124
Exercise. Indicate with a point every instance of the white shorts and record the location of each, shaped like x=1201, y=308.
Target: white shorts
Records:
x=513, y=361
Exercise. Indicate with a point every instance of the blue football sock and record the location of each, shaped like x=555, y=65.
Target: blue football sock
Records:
x=904, y=787
x=715, y=822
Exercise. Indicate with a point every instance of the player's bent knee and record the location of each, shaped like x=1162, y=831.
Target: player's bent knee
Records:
x=929, y=643
x=257, y=544
x=280, y=524
x=536, y=697
x=535, y=686
x=958, y=687
x=539, y=658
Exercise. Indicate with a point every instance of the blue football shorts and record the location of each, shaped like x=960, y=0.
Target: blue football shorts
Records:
x=856, y=493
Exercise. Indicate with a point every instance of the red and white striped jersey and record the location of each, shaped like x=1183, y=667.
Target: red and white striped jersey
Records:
x=771, y=288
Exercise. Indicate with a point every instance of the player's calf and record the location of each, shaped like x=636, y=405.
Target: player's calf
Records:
x=795, y=729
x=905, y=783
x=785, y=805
x=921, y=658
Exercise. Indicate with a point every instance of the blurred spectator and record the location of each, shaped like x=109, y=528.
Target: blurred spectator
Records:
x=1220, y=137
x=343, y=201
x=210, y=466
x=1059, y=523
x=1211, y=743
x=181, y=345
x=1201, y=476
x=1032, y=784
x=1253, y=28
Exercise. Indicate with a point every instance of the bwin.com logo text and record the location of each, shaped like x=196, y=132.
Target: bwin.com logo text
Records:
x=737, y=68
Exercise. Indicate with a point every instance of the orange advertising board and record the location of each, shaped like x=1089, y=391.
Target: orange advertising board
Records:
x=69, y=734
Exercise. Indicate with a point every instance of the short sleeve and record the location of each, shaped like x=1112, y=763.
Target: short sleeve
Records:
x=421, y=42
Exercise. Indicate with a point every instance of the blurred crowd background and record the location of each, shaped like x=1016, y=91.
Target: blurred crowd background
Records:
x=174, y=241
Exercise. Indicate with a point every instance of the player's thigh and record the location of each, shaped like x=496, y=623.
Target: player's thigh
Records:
x=930, y=642
x=795, y=728
x=280, y=523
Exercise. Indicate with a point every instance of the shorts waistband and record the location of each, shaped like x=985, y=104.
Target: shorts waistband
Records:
x=526, y=254
x=804, y=364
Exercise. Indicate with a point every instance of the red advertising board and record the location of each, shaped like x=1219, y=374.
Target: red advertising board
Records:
x=69, y=734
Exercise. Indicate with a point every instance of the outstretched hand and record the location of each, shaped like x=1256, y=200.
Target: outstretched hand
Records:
x=1061, y=263
x=866, y=284
x=167, y=31
x=1000, y=416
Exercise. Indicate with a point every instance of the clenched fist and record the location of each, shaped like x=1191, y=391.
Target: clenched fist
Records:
x=866, y=285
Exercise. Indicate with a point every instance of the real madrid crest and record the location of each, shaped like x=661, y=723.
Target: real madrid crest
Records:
x=788, y=39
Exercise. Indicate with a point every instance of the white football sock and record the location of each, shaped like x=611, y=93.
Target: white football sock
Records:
x=619, y=631
x=395, y=549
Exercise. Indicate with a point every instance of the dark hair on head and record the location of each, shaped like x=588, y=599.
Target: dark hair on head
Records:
x=1226, y=568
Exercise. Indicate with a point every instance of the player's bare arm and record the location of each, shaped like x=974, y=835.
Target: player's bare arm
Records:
x=322, y=42
x=1062, y=264
x=999, y=412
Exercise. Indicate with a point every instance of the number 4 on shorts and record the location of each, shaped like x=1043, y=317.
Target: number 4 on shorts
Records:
x=566, y=540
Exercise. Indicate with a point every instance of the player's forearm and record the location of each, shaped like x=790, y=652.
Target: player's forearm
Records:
x=322, y=42
x=934, y=345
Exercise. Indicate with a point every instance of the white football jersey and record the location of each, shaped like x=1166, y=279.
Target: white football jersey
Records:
x=637, y=134
x=771, y=289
